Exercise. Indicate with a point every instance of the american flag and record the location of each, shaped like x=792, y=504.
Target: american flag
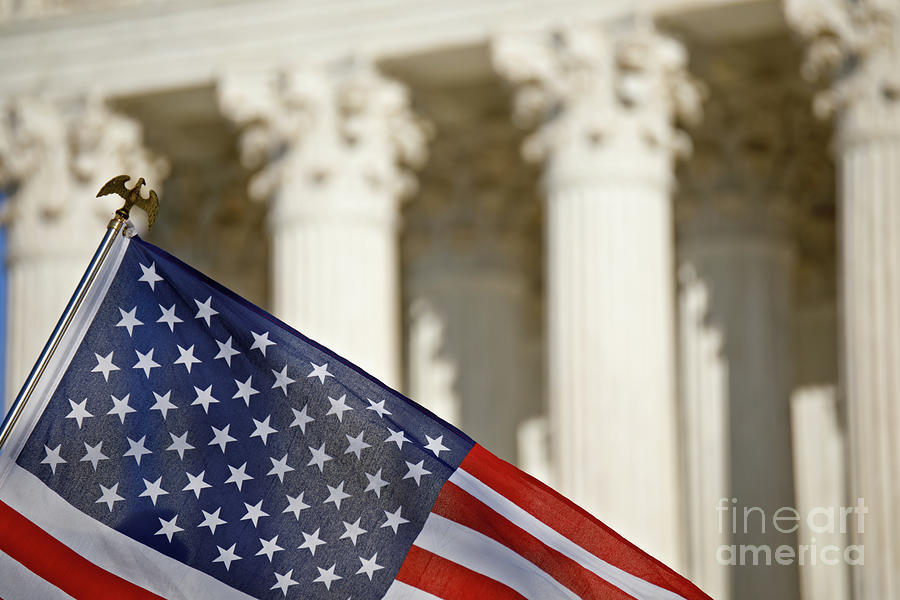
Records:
x=185, y=444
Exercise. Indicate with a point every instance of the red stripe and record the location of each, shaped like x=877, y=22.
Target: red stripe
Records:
x=58, y=564
x=574, y=522
x=446, y=579
x=458, y=505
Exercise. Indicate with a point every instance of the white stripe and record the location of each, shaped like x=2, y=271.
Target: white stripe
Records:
x=18, y=582
x=402, y=591
x=492, y=559
x=628, y=583
x=106, y=547
x=69, y=343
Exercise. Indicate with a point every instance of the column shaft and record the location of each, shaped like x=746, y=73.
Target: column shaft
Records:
x=610, y=353
x=336, y=281
x=870, y=226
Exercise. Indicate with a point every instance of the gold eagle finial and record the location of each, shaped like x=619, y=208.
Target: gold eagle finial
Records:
x=132, y=197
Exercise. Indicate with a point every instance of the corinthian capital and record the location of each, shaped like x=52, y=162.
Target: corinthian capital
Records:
x=855, y=44
x=583, y=85
x=55, y=155
x=322, y=126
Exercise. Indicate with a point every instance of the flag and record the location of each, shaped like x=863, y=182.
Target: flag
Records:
x=183, y=443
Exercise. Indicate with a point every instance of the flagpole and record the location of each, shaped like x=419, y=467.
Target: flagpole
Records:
x=114, y=228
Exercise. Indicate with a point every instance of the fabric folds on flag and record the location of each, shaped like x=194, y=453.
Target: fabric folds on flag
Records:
x=184, y=444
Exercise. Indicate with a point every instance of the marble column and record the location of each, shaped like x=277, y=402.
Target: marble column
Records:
x=471, y=243
x=605, y=105
x=54, y=156
x=330, y=143
x=703, y=384
x=819, y=439
x=856, y=45
x=736, y=384
x=759, y=170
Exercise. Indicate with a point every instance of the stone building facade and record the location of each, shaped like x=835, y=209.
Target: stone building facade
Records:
x=648, y=251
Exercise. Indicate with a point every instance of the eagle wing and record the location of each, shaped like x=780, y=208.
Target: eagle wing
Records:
x=116, y=185
x=150, y=206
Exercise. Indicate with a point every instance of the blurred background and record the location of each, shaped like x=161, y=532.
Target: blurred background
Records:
x=647, y=251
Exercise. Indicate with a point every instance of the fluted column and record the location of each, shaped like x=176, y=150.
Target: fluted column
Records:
x=819, y=440
x=857, y=45
x=471, y=245
x=54, y=156
x=703, y=380
x=736, y=384
x=606, y=106
x=330, y=143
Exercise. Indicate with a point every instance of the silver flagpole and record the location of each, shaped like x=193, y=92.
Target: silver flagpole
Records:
x=116, y=225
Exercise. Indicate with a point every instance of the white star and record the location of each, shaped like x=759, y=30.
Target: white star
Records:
x=196, y=483
x=153, y=490
x=227, y=557
x=104, y=365
x=137, y=449
x=397, y=437
x=320, y=371
x=163, y=403
x=319, y=458
x=283, y=582
x=93, y=454
x=120, y=407
x=204, y=398
x=279, y=468
x=180, y=444
x=311, y=541
x=263, y=431
x=327, y=576
x=436, y=445
x=338, y=407
x=357, y=445
x=205, y=310
x=168, y=317
x=269, y=548
x=245, y=390
x=394, y=520
x=79, y=412
x=261, y=341
x=336, y=495
x=379, y=408
x=352, y=531
x=169, y=528
x=295, y=505
x=282, y=380
x=109, y=496
x=187, y=358
x=52, y=457
x=369, y=566
x=416, y=471
x=145, y=361
x=238, y=475
x=254, y=512
x=221, y=437
x=212, y=520
x=150, y=276
x=375, y=483
x=129, y=320
x=301, y=419
x=226, y=351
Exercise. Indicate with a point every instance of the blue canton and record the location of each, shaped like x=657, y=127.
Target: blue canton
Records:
x=197, y=424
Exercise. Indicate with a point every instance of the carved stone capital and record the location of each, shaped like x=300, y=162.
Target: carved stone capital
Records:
x=54, y=156
x=341, y=131
x=855, y=46
x=587, y=89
